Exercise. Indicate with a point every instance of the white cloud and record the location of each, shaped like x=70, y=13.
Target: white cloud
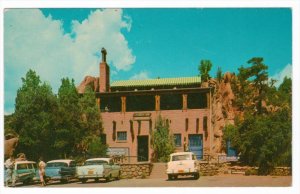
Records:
x=140, y=76
x=285, y=72
x=34, y=41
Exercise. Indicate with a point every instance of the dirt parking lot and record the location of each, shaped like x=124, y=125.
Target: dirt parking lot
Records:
x=204, y=181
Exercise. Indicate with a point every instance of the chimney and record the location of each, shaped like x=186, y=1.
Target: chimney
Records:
x=104, y=73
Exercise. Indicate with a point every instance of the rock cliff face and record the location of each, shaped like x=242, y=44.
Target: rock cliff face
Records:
x=10, y=145
x=222, y=110
x=93, y=82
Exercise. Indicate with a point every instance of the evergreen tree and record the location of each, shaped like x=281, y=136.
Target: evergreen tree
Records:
x=90, y=122
x=162, y=142
x=258, y=71
x=204, y=69
x=219, y=75
x=34, y=117
x=67, y=133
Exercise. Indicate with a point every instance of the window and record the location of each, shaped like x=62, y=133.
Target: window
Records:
x=171, y=102
x=22, y=166
x=103, y=138
x=197, y=101
x=197, y=125
x=186, y=124
x=205, y=123
x=140, y=103
x=110, y=104
x=30, y=166
x=72, y=164
x=177, y=140
x=122, y=136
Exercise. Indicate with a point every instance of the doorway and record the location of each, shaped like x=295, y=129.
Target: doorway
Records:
x=196, y=145
x=143, y=148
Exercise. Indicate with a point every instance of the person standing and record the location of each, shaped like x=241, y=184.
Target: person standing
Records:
x=42, y=166
x=9, y=165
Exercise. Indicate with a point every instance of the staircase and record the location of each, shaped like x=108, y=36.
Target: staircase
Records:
x=159, y=171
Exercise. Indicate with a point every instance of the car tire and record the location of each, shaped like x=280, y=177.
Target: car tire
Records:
x=83, y=180
x=119, y=176
x=172, y=177
x=196, y=176
x=64, y=181
x=108, y=178
x=27, y=182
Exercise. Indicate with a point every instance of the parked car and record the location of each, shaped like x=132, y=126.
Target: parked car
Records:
x=62, y=170
x=183, y=163
x=24, y=172
x=98, y=168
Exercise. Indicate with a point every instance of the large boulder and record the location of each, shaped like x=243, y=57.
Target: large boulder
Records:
x=10, y=146
x=91, y=81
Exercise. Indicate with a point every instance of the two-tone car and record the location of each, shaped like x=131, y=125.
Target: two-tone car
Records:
x=183, y=164
x=98, y=168
x=24, y=172
x=60, y=170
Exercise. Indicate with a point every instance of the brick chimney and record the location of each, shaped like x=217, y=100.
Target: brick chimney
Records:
x=104, y=73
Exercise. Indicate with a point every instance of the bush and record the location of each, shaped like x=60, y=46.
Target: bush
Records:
x=162, y=142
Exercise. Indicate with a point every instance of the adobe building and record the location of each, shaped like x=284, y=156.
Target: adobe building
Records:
x=130, y=108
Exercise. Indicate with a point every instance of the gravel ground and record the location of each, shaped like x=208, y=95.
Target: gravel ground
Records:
x=204, y=181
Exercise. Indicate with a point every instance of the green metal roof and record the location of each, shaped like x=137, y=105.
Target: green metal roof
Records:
x=157, y=82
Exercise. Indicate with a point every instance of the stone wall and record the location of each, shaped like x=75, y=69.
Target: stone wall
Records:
x=212, y=169
x=207, y=169
x=247, y=170
x=139, y=170
x=282, y=171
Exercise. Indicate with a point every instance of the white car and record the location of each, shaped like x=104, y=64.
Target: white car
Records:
x=98, y=168
x=183, y=163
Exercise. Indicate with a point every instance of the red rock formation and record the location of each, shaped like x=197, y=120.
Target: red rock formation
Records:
x=10, y=145
x=93, y=82
x=222, y=110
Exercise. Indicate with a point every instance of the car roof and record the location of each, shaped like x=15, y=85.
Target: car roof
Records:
x=93, y=159
x=181, y=153
x=25, y=162
x=60, y=160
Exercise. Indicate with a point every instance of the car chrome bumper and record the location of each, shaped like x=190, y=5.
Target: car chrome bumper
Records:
x=90, y=176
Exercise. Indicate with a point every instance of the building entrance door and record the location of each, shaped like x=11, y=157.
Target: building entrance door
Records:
x=196, y=145
x=143, y=148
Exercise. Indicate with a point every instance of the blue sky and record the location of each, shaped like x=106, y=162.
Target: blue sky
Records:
x=141, y=43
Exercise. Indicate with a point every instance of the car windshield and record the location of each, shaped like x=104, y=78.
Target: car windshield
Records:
x=95, y=162
x=57, y=164
x=21, y=166
x=181, y=157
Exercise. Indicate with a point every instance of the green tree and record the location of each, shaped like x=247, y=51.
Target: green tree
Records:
x=262, y=140
x=90, y=121
x=67, y=133
x=252, y=86
x=96, y=148
x=231, y=133
x=34, y=117
x=285, y=92
x=204, y=69
x=163, y=141
x=219, y=75
x=258, y=71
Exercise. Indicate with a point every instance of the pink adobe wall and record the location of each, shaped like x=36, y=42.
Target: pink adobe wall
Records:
x=177, y=125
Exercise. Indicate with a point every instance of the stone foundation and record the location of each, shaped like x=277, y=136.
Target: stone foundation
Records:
x=207, y=169
x=139, y=170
